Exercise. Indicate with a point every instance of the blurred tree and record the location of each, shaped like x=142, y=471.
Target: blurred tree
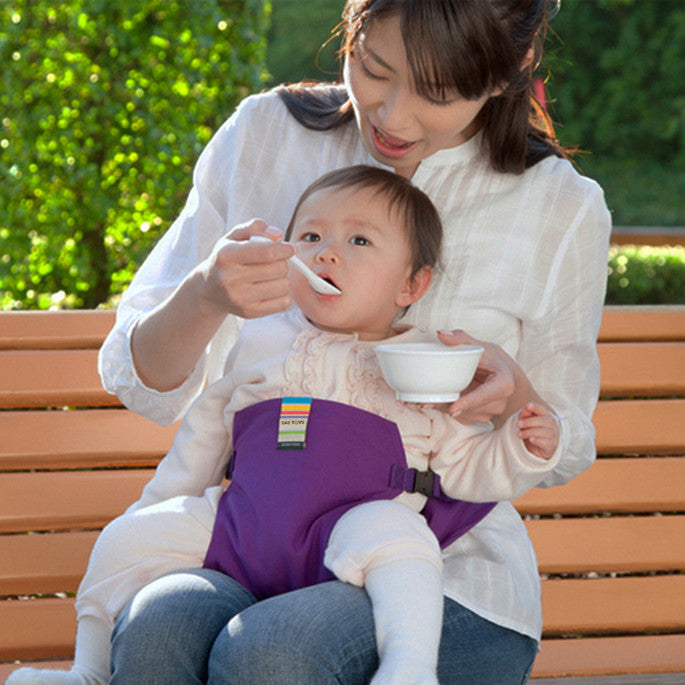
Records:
x=299, y=45
x=617, y=75
x=105, y=107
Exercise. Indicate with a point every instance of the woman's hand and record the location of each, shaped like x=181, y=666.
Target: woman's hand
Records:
x=242, y=278
x=498, y=389
x=246, y=279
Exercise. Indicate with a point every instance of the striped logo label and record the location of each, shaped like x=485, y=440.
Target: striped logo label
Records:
x=292, y=424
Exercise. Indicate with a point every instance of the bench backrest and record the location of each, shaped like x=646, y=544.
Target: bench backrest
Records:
x=71, y=459
x=610, y=543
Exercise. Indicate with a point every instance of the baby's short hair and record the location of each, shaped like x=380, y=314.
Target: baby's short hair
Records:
x=422, y=224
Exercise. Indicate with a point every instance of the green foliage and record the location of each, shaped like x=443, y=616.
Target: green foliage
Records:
x=105, y=107
x=298, y=32
x=646, y=275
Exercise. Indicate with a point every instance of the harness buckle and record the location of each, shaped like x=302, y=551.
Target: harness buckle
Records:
x=426, y=482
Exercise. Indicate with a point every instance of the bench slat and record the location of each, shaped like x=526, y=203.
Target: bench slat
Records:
x=606, y=545
x=611, y=656
x=89, y=499
x=54, y=330
x=41, y=330
x=588, y=657
x=613, y=605
x=51, y=378
x=73, y=439
x=44, y=564
x=619, y=485
x=116, y=437
x=63, y=377
x=45, y=628
x=37, y=629
x=643, y=322
x=56, y=562
x=67, y=500
x=642, y=369
x=640, y=426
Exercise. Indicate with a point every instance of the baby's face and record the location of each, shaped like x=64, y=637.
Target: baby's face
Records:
x=350, y=238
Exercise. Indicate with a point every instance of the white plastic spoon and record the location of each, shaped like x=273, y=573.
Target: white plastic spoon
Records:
x=321, y=286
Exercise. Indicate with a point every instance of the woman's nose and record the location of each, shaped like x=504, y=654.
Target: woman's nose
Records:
x=395, y=111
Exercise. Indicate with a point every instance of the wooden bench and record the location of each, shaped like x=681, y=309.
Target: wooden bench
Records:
x=648, y=235
x=611, y=544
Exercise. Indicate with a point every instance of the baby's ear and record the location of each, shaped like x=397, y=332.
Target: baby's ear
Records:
x=415, y=287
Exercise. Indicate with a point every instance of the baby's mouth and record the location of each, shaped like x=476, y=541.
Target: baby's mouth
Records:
x=328, y=279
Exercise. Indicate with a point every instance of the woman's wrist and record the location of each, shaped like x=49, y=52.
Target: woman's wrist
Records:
x=523, y=393
x=168, y=341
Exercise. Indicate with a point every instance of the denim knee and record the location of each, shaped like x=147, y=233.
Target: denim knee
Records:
x=165, y=633
x=321, y=635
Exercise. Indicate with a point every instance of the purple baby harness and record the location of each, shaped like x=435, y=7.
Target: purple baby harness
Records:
x=274, y=520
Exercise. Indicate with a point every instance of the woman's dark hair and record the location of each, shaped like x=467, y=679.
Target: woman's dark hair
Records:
x=420, y=218
x=472, y=45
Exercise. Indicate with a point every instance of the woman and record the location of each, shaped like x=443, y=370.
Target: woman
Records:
x=440, y=92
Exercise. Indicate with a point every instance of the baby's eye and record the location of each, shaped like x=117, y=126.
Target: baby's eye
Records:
x=310, y=237
x=360, y=240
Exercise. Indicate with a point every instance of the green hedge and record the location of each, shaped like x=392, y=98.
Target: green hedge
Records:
x=646, y=275
x=104, y=108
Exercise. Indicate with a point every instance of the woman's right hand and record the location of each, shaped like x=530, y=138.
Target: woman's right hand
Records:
x=241, y=278
x=246, y=279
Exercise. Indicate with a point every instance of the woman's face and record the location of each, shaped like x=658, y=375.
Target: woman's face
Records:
x=399, y=126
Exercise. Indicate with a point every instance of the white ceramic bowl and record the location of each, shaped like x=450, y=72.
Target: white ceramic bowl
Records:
x=428, y=372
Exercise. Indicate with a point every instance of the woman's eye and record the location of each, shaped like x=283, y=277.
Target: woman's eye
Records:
x=442, y=102
x=444, y=98
x=360, y=240
x=369, y=73
x=439, y=95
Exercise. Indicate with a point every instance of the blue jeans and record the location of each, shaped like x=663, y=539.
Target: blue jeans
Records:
x=201, y=626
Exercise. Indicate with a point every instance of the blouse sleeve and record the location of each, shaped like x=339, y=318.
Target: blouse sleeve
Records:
x=201, y=450
x=558, y=344
x=186, y=244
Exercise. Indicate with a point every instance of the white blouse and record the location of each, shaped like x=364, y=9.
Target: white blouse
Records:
x=523, y=265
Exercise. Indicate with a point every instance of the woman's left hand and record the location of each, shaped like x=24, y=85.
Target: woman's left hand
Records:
x=497, y=387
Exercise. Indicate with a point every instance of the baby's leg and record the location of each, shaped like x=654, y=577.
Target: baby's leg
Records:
x=131, y=551
x=390, y=550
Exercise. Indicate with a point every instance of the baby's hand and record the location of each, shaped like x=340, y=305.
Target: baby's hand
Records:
x=539, y=430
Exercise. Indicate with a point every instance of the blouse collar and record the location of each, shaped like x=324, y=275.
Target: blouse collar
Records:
x=460, y=154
